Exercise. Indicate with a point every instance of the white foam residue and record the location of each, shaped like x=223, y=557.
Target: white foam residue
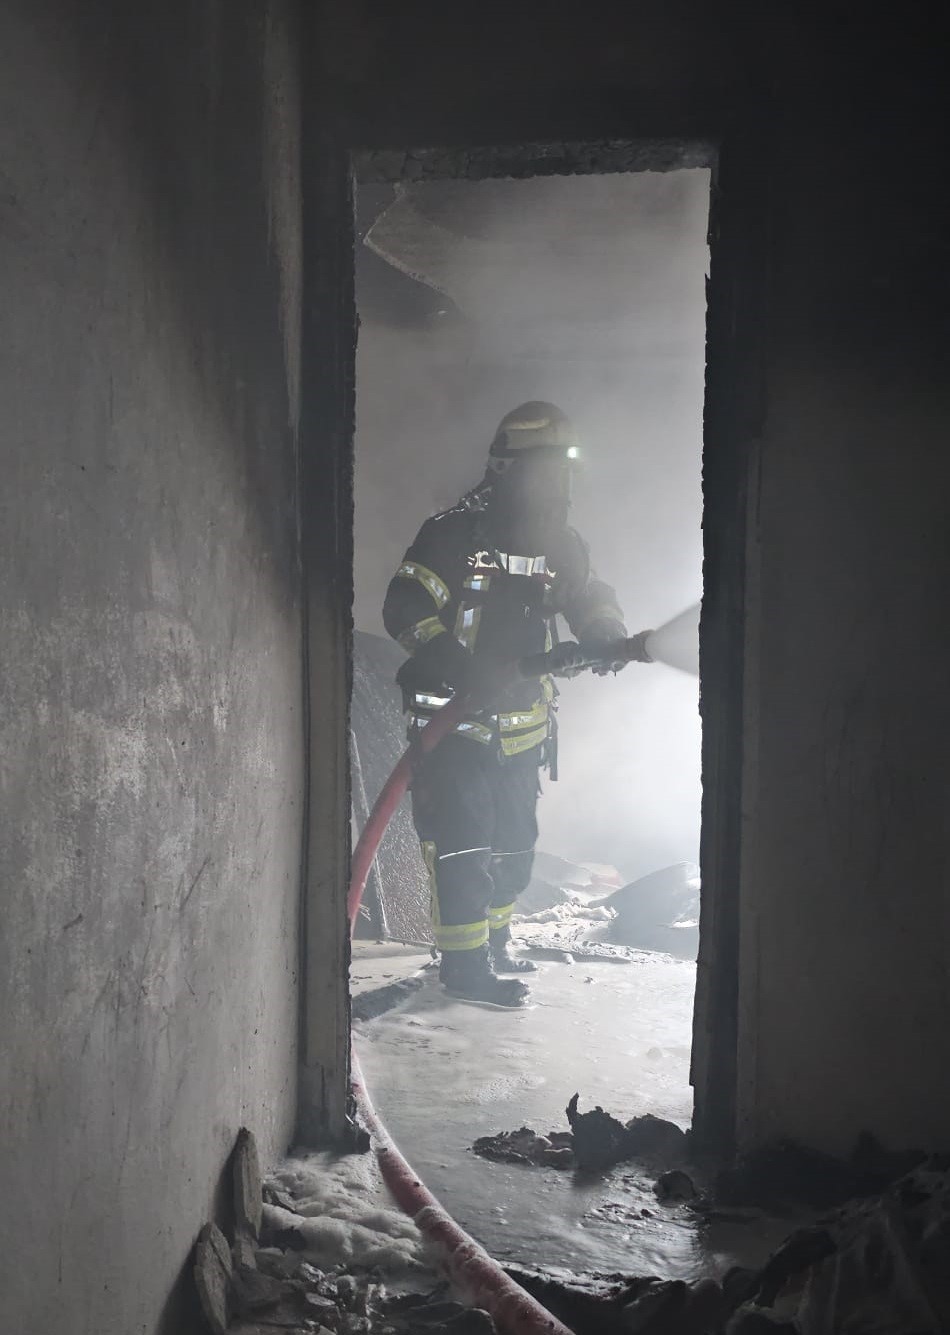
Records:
x=345, y=1214
x=570, y=912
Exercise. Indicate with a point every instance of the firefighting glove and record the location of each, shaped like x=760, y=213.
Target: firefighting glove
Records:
x=443, y=659
x=566, y=659
x=600, y=641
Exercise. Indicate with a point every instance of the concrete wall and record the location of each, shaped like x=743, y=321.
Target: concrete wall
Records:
x=151, y=739
x=844, y=978
x=826, y=957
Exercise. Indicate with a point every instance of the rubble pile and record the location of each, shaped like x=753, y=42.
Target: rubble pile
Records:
x=265, y=1281
x=287, y=1293
x=876, y=1266
x=876, y=1260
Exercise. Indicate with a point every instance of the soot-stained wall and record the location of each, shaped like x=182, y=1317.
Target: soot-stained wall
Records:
x=844, y=965
x=151, y=733
x=824, y=967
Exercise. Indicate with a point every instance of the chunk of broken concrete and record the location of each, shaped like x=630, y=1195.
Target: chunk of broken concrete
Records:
x=244, y=1250
x=253, y=1291
x=319, y=1306
x=213, y=1273
x=280, y=1264
x=277, y=1196
x=351, y=1295
x=248, y=1191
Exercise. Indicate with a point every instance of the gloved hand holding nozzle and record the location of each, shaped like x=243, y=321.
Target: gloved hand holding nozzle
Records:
x=609, y=648
x=569, y=658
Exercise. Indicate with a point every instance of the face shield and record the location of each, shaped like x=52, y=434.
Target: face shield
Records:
x=531, y=497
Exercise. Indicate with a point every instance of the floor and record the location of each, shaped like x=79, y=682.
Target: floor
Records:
x=443, y=1073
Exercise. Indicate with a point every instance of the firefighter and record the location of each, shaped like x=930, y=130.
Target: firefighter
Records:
x=480, y=588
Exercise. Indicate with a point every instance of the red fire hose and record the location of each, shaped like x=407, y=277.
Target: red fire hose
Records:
x=514, y=1311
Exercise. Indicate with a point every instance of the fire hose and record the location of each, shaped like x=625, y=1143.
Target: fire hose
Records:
x=466, y=1262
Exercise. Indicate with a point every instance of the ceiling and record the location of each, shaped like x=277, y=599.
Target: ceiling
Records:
x=588, y=266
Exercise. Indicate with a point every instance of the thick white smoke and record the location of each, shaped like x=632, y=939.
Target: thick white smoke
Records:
x=588, y=291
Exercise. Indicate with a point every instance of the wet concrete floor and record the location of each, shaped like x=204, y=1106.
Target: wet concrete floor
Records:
x=443, y=1073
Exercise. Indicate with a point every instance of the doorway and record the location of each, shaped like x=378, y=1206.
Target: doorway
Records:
x=474, y=296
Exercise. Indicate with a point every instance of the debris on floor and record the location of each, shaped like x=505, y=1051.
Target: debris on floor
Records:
x=324, y=1252
x=319, y=1248
x=876, y=1266
x=555, y=1150
x=508, y=1071
x=596, y=1141
x=601, y=1140
x=293, y=1295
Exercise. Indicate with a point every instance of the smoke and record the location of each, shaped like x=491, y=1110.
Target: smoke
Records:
x=588, y=291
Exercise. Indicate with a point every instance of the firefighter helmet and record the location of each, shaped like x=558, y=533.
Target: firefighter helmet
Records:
x=532, y=426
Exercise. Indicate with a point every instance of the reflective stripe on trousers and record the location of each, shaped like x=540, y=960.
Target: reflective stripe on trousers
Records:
x=460, y=936
x=476, y=821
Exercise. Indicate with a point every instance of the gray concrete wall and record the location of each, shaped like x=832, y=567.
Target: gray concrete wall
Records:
x=844, y=978
x=151, y=739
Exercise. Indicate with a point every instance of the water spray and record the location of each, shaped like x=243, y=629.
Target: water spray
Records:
x=677, y=642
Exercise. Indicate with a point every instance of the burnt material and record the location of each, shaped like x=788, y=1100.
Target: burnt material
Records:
x=555, y=1150
x=600, y=1140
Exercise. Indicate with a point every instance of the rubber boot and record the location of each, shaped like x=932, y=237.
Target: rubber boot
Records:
x=503, y=959
x=468, y=974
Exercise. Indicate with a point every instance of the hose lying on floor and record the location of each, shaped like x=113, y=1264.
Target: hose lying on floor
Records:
x=468, y=1265
x=514, y=1311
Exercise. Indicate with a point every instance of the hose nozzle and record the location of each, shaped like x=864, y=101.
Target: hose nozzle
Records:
x=636, y=650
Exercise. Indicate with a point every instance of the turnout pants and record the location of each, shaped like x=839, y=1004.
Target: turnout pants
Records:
x=475, y=816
